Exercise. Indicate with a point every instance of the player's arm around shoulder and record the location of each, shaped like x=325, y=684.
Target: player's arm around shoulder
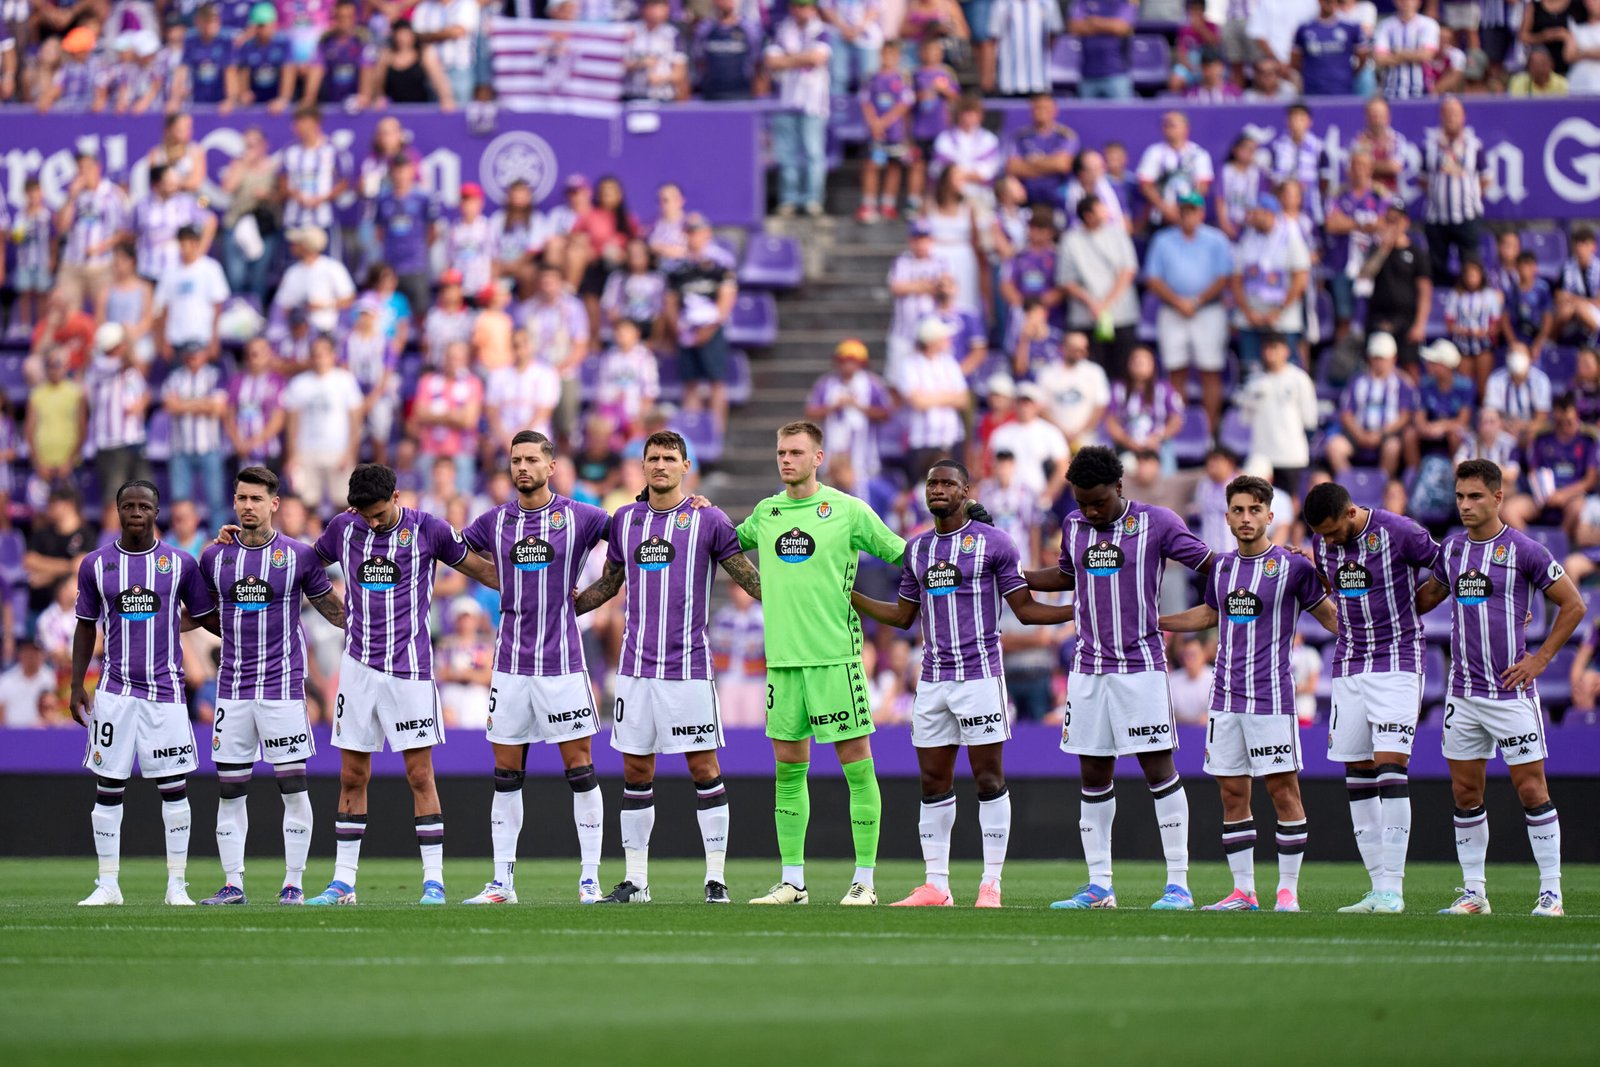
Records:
x=1031, y=612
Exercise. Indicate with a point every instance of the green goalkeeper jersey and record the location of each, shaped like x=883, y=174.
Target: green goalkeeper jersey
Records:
x=809, y=551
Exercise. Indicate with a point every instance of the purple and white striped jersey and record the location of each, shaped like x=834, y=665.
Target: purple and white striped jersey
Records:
x=257, y=590
x=388, y=587
x=539, y=555
x=1116, y=570
x=959, y=580
x=1491, y=586
x=156, y=222
x=1258, y=600
x=670, y=558
x=135, y=597
x=1374, y=579
x=98, y=215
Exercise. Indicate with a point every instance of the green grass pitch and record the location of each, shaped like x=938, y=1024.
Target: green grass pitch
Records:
x=675, y=981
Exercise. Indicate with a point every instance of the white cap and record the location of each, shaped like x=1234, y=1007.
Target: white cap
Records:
x=1001, y=385
x=109, y=336
x=1442, y=352
x=1258, y=467
x=930, y=330
x=1518, y=362
x=1382, y=346
x=1032, y=391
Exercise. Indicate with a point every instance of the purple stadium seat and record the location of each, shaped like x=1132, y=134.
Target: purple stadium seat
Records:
x=158, y=436
x=1148, y=307
x=1234, y=434
x=1560, y=363
x=1555, y=684
x=1193, y=440
x=1066, y=62
x=772, y=262
x=701, y=432
x=670, y=374
x=845, y=121
x=740, y=383
x=1311, y=631
x=1436, y=626
x=589, y=376
x=1152, y=60
x=1549, y=247
x=1433, y=675
x=1552, y=538
x=1365, y=485
x=11, y=380
x=754, y=321
x=1436, y=325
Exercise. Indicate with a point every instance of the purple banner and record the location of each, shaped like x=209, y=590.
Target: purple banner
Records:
x=712, y=151
x=1544, y=155
x=1033, y=752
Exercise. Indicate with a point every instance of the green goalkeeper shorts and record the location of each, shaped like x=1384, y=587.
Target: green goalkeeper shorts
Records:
x=828, y=703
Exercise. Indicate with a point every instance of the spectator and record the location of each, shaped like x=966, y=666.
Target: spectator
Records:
x=970, y=153
x=56, y=421
x=64, y=327
x=517, y=232
x=1271, y=271
x=1021, y=31
x=1041, y=154
x=1188, y=267
x=93, y=218
x=1327, y=52
x=468, y=242
x=667, y=240
x=1237, y=47
x=394, y=313
x=324, y=429
x=636, y=292
x=1146, y=412
x=1521, y=392
x=886, y=100
x=129, y=302
x=1544, y=24
x=78, y=77
x=936, y=397
x=522, y=396
x=1015, y=509
x=445, y=413
x=726, y=53
x=159, y=216
x=491, y=328
x=1078, y=392
x=1273, y=25
x=406, y=224
x=1089, y=178
x=1585, y=671
x=118, y=398
x=629, y=380
x=312, y=174
x=189, y=299
x=1490, y=440
x=1455, y=175
x=914, y=280
x=1243, y=182
x=1472, y=314
x=34, y=233
x=850, y=403
x=185, y=531
x=1380, y=140
x=1403, y=46
x=1297, y=155
x=1503, y=273
x=318, y=285
x=1577, y=297
x=451, y=28
x=59, y=540
x=952, y=221
x=1585, y=386
x=452, y=320
x=1445, y=400
x=1096, y=268
x=251, y=225
x=1540, y=79
x=1530, y=308
x=465, y=660
x=559, y=330
x=178, y=152
x=701, y=291
x=371, y=356
x=1037, y=446
x=1171, y=167
x=1030, y=277
x=738, y=651
x=207, y=58
x=1402, y=286
x=1212, y=86
x=254, y=417
x=857, y=41
x=1582, y=50
x=1190, y=685
x=656, y=67
x=1268, y=84
x=409, y=70
x=26, y=689
x=1376, y=414
x=261, y=71
x=1561, y=468
x=1305, y=665
x=1280, y=407
x=1106, y=28
x=598, y=243
x=1197, y=41
x=1036, y=342
x=936, y=90
x=1354, y=220
x=798, y=57
x=341, y=72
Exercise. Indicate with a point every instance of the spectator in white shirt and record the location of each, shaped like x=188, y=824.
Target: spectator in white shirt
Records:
x=657, y=68
x=451, y=27
x=1280, y=407
x=798, y=56
x=1173, y=166
x=195, y=399
x=1096, y=267
x=522, y=396
x=1403, y=46
x=935, y=391
x=1077, y=391
x=971, y=153
x=316, y=283
x=24, y=686
x=1272, y=24
x=1038, y=445
x=324, y=406
x=1190, y=684
x=1521, y=392
x=189, y=298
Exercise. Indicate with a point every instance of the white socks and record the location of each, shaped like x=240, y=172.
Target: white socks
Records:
x=505, y=823
x=1544, y=834
x=175, y=817
x=588, y=813
x=795, y=875
x=1394, y=793
x=347, y=833
x=1472, y=846
x=296, y=828
x=233, y=824
x=994, y=819
x=1239, y=842
x=1291, y=854
x=1095, y=814
x=638, y=820
x=430, y=840
x=711, y=809
x=107, y=822
x=1366, y=818
x=938, y=816
x=1172, y=815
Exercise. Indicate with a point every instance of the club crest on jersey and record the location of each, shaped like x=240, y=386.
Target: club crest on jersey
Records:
x=1130, y=525
x=1501, y=553
x=942, y=579
x=1103, y=560
x=654, y=554
x=558, y=520
x=824, y=509
x=969, y=544
x=1373, y=541
x=404, y=540
x=1271, y=568
x=683, y=520
x=164, y=564
x=796, y=546
x=1473, y=588
x=280, y=558
x=216, y=744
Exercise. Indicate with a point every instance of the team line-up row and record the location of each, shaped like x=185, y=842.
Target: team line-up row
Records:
x=1368, y=577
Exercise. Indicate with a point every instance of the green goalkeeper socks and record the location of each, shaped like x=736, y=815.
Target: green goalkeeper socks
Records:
x=791, y=812
x=866, y=808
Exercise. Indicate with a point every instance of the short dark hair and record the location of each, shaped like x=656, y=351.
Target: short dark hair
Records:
x=1258, y=488
x=370, y=483
x=1298, y=105
x=139, y=483
x=1085, y=206
x=810, y=429
x=1483, y=470
x=157, y=172
x=1326, y=501
x=534, y=437
x=1223, y=452
x=1583, y=233
x=257, y=476
x=308, y=111
x=955, y=465
x=1094, y=466
x=666, y=439
x=1526, y=257
x=1566, y=400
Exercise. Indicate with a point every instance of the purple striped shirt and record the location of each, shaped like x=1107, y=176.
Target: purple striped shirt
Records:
x=258, y=591
x=135, y=597
x=1116, y=570
x=1258, y=600
x=1375, y=580
x=112, y=390
x=98, y=213
x=254, y=398
x=959, y=579
x=1491, y=584
x=389, y=587
x=539, y=555
x=671, y=558
x=156, y=221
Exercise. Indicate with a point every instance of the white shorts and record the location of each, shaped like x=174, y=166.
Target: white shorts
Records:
x=553, y=708
x=121, y=728
x=1255, y=745
x=1200, y=342
x=244, y=730
x=1475, y=727
x=960, y=713
x=1118, y=714
x=1373, y=713
x=374, y=707
x=654, y=716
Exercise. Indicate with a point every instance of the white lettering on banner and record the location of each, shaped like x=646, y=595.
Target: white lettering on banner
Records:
x=1586, y=165
x=441, y=173
x=1505, y=162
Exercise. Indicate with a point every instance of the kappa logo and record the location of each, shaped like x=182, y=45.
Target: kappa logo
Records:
x=1278, y=759
x=775, y=513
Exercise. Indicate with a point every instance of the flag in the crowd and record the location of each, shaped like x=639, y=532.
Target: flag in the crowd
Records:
x=575, y=68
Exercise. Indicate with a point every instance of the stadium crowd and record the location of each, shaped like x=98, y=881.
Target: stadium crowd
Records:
x=1276, y=312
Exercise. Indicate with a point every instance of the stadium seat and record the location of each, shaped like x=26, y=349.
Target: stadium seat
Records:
x=11, y=379
x=1552, y=538
x=1152, y=61
x=1434, y=677
x=1193, y=439
x=669, y=373
x=589, y=375
x=1066, y=62
x=1555, y=684
x=844, y=119
x=701, y=432
x=740, y=382
x=1148, y=308
x=1549, y=247
x=1560, y=362
x=754, y=321
x=158, y=436
x=1234, y=433
x=1436, y=626
x=1365, y=485
x=772, y=262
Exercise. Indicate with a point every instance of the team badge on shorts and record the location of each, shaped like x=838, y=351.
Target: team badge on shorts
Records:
x=97, y=759
x=1372, y=541
x=558, y=520
x=405, y=537
x=1501, y=553
x=164, y=564
x=216, y=744
x=969, y=544
x=824, y=509
x=280, y=558
x=683, y=520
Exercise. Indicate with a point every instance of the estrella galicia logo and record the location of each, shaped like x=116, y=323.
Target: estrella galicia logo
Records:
x=251, y=593
x=164, y=564
x=532, y=554
x=1352, y=580
x=379, y=574
x=796, y=546
x=654, y=554
x=942, y=579
x=1243, y=606
x=1103, y=560
x=1473, y=588
x=138, y=604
